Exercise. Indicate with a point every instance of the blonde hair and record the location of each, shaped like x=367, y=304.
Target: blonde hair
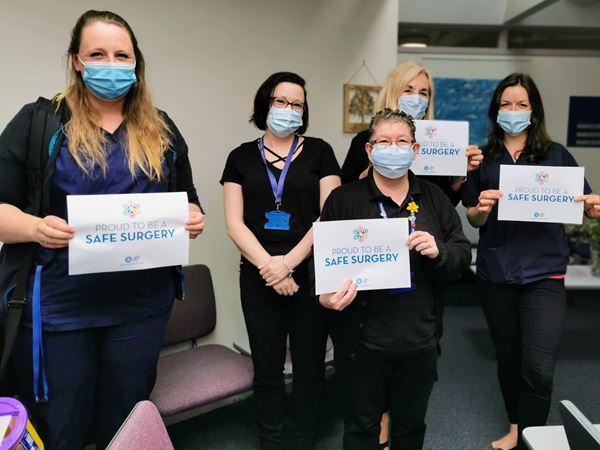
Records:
x=147, y=132
x=397, y=81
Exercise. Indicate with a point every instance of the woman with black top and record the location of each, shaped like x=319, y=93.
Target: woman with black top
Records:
x=274, y=188
x=385, y=340
x=521, y=265
x=409, y=88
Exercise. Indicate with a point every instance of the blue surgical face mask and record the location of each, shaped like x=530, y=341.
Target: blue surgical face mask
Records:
x=108, y=81
x=514, y=122
x=393, y=161
x=284, y=121
x=413, y=105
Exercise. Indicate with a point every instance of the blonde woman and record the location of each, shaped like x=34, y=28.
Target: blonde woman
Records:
x=88, y=345
x=409, y=88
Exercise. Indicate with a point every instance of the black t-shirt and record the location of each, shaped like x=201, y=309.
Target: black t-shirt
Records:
x=400, y=323
x=301, y=191
x=357, y=160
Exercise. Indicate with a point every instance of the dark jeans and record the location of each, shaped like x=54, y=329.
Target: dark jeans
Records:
x=526, y=324
x=95, y=378
x=374, y=383
x=270, y=318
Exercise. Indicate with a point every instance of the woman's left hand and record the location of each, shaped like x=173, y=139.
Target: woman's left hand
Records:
x=591, y=204
x=195, y=222
x=474, y=157
x=424, y=243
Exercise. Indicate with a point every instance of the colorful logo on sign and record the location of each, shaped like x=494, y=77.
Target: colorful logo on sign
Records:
x=542, y=178
x=361, y=234
x=430, y=131
x=131, y=209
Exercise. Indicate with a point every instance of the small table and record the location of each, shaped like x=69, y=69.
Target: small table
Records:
x=547, y=438
x=580, y=277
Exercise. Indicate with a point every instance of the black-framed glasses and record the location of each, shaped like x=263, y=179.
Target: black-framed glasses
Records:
x=385, y=143
x=280, y=102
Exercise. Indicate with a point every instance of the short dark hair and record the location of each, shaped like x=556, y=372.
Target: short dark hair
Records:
x=392, y=115
x=538, y=141
x=262, y=99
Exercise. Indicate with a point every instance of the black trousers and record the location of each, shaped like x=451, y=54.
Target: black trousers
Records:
x=526, y=323
x=373, y=383
x=95, y=378
x=270, y=318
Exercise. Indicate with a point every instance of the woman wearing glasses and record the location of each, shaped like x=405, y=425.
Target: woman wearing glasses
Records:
x=274, y=188
x=385, y=340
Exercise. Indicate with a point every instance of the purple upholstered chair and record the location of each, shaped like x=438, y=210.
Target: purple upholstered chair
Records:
x=143, y=428
x=204, y=377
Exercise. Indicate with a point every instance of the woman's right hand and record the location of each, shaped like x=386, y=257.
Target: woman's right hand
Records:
x=487, y=200
x=53, y=232
x=340, y=299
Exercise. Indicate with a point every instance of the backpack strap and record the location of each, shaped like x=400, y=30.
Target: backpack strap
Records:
x=45, y=122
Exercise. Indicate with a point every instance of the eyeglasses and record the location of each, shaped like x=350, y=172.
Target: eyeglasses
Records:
x=280, y=102
x=385, y=143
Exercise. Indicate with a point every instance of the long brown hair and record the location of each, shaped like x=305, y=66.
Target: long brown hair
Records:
x=538, y=143
x=147, y=132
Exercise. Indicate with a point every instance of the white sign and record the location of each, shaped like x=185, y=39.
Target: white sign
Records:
x=442, y=151
x=373, y=252
x=541, y=193
x=121, y=232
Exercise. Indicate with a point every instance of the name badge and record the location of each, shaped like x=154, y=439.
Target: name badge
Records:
x=277, y=220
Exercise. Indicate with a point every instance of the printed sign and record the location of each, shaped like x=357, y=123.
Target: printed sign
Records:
x=541, y=194
x=127, y=231
x=442, y=151
x=373, y=252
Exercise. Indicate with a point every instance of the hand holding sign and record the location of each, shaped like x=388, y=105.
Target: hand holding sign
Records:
x=591, y=204
x=195, y=222
x=342, y=298
x=424, y=243
x=487, y=200
x=53, y=232
x=474, y=157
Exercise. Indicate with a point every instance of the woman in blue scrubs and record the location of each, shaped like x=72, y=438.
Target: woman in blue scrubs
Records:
x=520, y=265
x=101, y=334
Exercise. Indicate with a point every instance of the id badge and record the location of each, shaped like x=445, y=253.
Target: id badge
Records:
x=277, y=220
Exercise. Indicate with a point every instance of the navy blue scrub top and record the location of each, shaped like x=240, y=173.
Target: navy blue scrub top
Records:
x=518, y=252
x=100, y=299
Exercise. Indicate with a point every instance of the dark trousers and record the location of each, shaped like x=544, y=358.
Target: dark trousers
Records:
x=270, y=318
x=526, y=324
x=373, y=383
x=95, y=377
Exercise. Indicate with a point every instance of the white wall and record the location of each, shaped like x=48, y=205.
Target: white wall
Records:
x=557, y=78
x=205, y=61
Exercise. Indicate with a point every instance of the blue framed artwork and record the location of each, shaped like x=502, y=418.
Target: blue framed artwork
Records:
x=465, y=99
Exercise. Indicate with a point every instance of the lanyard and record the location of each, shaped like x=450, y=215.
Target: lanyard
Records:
x=276, y=186
x=412, y=219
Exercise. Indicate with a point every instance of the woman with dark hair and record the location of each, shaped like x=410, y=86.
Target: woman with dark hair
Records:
x=520, y=265
x=101, y=333
x=274, y=188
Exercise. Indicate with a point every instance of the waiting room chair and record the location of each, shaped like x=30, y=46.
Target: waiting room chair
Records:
x=203, y=377
x=143, y=429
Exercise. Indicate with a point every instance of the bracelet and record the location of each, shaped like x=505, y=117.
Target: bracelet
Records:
x=289, y=269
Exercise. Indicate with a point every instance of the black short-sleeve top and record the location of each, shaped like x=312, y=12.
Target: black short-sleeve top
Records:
x=511, y=252
x=301, y=193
